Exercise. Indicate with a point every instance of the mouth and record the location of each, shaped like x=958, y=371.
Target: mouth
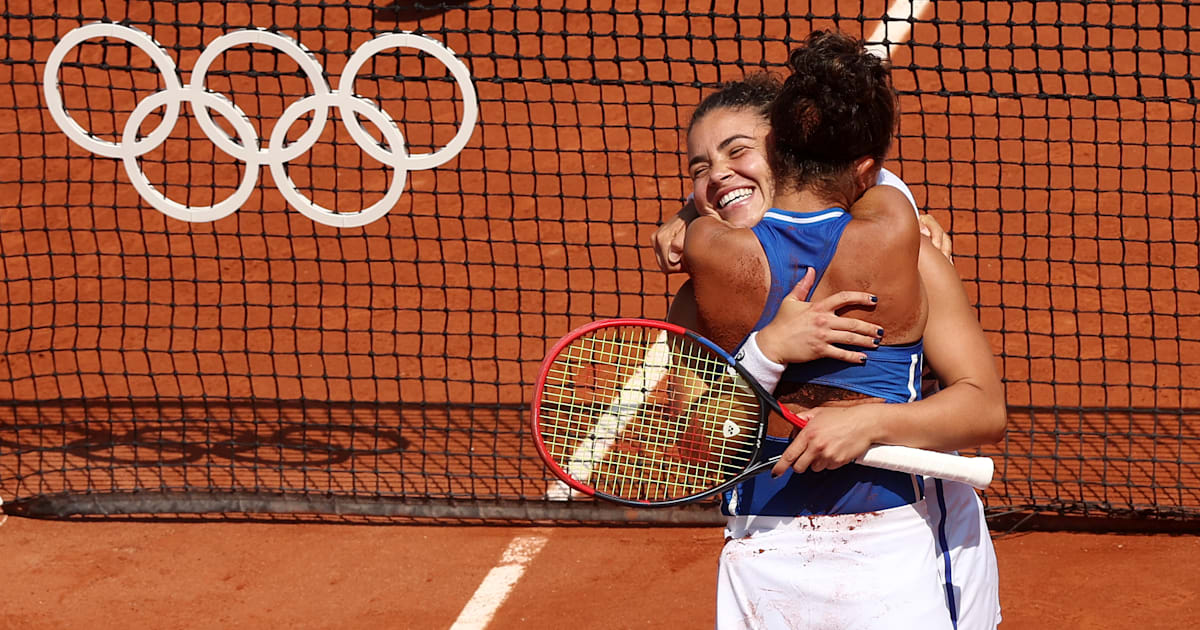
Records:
x=733, y=197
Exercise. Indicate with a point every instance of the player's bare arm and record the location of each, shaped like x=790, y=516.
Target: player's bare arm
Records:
x=729, y=279
x=959, y=353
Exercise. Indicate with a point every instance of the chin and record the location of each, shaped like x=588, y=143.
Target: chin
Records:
x=744, y=217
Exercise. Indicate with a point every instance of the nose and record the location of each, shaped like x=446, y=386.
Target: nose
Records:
x=720, y=170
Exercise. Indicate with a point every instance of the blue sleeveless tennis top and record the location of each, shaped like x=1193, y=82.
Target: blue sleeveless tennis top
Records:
x=793, y=242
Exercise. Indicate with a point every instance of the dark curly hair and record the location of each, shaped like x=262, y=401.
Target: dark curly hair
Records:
x=837, y=106
x=755, y=92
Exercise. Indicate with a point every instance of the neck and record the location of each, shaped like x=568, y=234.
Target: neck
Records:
x=808, y=200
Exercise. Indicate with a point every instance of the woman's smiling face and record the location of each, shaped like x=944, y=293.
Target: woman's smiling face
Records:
x=728, y=164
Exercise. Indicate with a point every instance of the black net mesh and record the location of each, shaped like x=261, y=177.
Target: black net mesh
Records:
x=268, y=361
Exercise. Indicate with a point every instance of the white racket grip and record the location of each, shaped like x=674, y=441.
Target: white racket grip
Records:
x=976, y=471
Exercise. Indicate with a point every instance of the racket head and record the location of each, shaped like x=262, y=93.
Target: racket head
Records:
x=645, y=413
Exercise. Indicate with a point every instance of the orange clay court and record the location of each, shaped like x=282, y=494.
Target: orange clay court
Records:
x=282, y=418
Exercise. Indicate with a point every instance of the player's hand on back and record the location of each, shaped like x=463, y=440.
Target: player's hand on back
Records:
x=804, y=331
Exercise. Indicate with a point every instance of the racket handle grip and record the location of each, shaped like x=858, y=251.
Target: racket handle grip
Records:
x=976, y=471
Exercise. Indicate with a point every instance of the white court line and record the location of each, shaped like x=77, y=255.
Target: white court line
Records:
x=478, y=612
x=609, y=425
x=894, y=28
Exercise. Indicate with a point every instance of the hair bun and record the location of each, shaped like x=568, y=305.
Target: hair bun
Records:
x=836, y=106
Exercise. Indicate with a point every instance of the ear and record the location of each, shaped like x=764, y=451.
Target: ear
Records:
x=866, y=173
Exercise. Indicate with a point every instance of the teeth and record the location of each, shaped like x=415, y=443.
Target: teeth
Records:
x=734, y=195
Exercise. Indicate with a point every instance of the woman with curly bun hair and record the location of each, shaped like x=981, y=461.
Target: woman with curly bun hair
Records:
x=819, y=541
x=836, y=108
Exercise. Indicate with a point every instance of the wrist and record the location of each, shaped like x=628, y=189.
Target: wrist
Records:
x=765, y=341
x=763, y=369
x=875, y=423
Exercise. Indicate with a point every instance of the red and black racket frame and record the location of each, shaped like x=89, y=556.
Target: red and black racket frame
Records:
x=765, y=410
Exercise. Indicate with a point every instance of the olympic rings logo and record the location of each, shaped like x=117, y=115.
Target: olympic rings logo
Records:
x=279, y=151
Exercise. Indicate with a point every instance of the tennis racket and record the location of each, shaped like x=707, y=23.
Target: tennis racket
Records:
x=650, y=414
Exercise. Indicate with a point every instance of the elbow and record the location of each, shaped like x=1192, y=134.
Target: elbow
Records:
x=995, y=419
x=991, y=411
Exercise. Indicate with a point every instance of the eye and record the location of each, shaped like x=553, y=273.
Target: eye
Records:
x=698, y=171
x=739, y=150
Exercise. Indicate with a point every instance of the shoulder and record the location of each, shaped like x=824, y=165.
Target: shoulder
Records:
x=714, y=246
x=883, y=220
x=888, y=178
x=885, y=205
x=709, y=227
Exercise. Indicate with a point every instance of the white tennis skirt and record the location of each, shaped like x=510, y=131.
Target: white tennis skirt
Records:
x=876, y=570
x=969, y=559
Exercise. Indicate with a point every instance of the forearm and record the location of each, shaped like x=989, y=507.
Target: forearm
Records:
x=964, y=415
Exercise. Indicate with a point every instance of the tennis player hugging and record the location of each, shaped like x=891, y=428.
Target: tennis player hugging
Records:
x=807, y=257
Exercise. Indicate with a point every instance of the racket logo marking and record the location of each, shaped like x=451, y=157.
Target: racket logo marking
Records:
x=246, y=148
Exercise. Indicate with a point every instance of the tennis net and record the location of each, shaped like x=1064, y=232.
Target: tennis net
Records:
x=358, y=330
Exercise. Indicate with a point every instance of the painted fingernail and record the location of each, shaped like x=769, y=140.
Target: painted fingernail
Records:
x=879, y=341
x=862, y=359
x=874, y=298
x=879, y=333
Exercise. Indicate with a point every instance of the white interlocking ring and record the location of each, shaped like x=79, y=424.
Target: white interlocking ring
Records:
x=247, y=146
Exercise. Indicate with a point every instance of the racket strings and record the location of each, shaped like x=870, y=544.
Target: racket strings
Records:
x=643, y=414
